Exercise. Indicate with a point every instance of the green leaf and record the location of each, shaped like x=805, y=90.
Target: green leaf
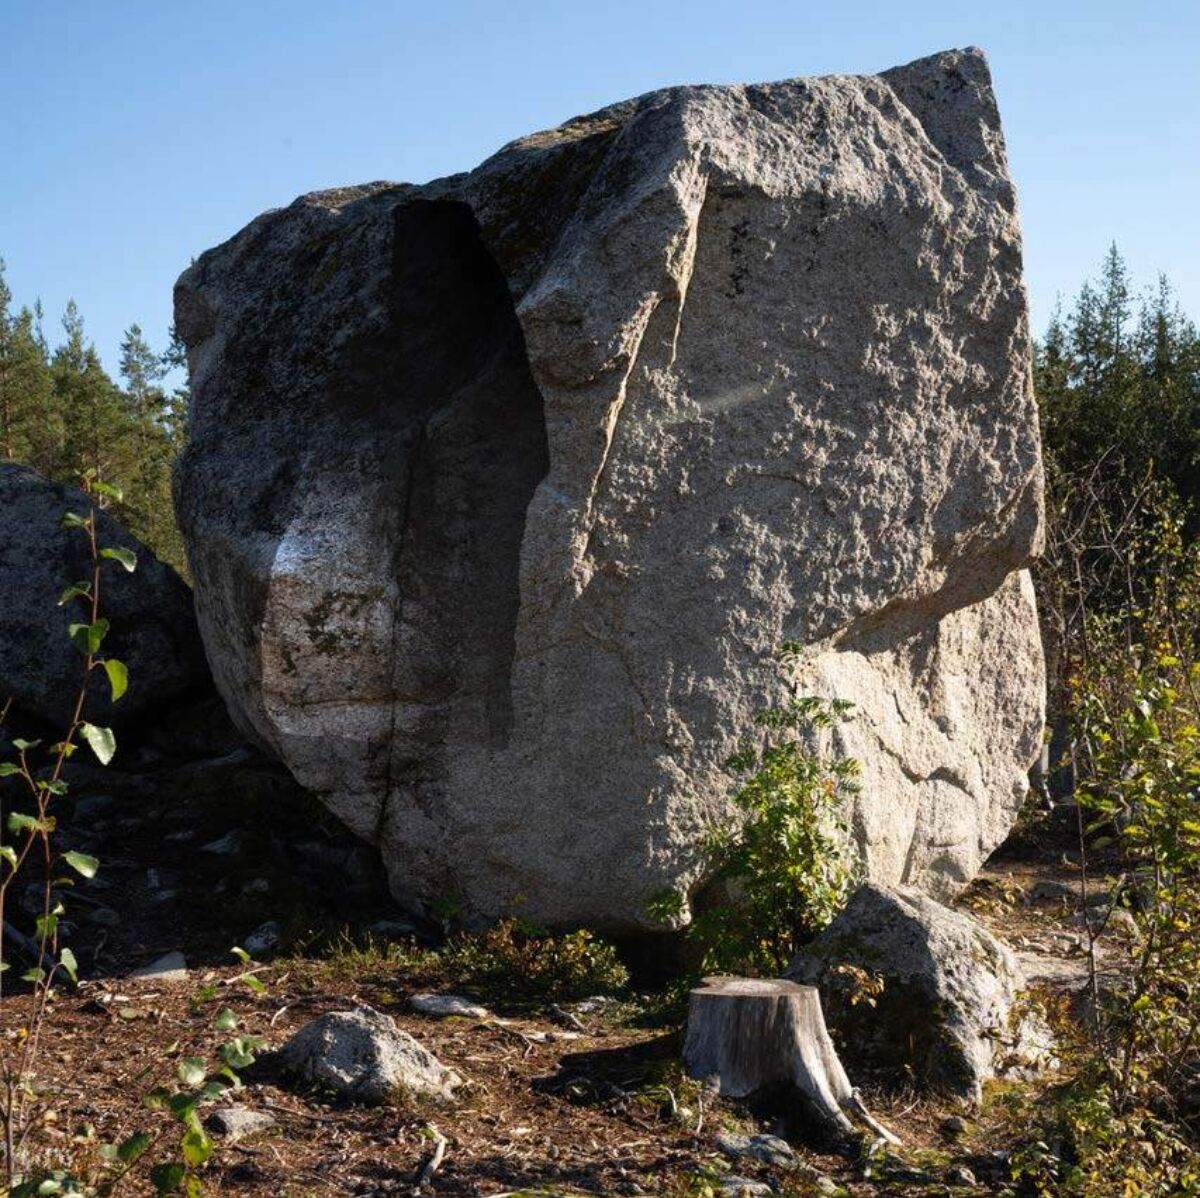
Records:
x=107, y=490
x=118, y=677
x=82, y=863
x=134, y=1147
x=8, y=769
x=46, y=926
x=34, y=975
x=192, y=1071
x=70, y=964
x=100, y=740
x=226, y=1020
x=17, y=822
x=23, y=746
x=167, y=1178
x=9, y=854
x=196, y=1146
x=53, y=786
x=126, y=557
x=78, y=590
x=71, y=520
x=87, y=638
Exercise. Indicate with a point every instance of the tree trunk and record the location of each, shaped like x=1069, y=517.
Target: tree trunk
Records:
x=746, y=1033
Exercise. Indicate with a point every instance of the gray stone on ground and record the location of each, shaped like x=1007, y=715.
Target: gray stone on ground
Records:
x=153, y=628
x=448, y=1004
x=770, y=1150
x=951, y=1010
x=170, y=967
x=502, y=492
x=362, y=1056
x=263, y=939
x=736, y=1186
x=237, y=1122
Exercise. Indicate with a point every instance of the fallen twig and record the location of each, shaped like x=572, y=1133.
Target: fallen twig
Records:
x=435, y=1160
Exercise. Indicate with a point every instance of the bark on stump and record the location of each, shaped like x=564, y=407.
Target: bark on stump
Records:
x=746, y=1033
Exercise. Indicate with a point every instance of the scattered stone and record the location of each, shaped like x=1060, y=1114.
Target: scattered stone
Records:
x=362, y=1056
x=960, y=1175
x=448, y=1004
x=955, y=1126
x=1049, y=891
x=257, y=886
x=153, y=625
x=237, y=1122
x=596, y=1004
x=770, y=1150
x=949, y=1010
x=170, y=967
x=643, y=424
x=228, y=845
x=263, y=939
x=742, y=1187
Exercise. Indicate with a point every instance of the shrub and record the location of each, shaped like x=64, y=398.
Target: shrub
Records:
x=783, y=863
x=516, y=960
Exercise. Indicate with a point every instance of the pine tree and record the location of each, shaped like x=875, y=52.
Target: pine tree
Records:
x=1120, y=386
x=29, y=428
x=96, y=421
x=149, y=510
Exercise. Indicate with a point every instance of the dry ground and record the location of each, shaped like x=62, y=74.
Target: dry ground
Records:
x=546, y=1109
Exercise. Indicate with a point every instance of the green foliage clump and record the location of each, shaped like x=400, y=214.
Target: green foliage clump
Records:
x=1129, y=659
x=783, y=864
x=515, y=960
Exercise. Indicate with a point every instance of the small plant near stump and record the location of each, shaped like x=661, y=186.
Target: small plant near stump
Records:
x=785, y=859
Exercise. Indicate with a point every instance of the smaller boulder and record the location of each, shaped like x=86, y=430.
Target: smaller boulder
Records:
x=362, y=1056
x=152, y=624
x=950, y=1010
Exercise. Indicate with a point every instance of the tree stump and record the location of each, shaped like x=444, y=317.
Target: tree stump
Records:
x=746, y=1033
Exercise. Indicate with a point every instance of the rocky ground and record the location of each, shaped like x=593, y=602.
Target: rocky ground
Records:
x=559, y=1097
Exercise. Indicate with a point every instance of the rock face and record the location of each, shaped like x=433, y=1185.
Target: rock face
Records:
x=503, y=491
x=153, y=627
x=362, y=1056
x=950, y=1008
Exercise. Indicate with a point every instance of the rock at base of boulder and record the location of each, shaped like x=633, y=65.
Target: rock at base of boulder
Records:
x=362, y=1056
x=951, y=1009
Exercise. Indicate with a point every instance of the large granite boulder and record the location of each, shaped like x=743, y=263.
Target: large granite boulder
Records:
x=951, y=1012
x=153, y=627
x=502, y=491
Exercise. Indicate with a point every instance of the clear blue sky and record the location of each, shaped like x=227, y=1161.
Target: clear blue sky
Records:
x=138, y=133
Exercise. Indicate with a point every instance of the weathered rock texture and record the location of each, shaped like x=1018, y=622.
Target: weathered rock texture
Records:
x=503, y=490
x=362, y=1056
x=950, y=1012
x=153, y=628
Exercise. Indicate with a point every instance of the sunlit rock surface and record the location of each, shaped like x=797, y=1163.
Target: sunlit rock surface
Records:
x=503, y=490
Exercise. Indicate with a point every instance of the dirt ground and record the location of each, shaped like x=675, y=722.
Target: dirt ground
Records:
x=547, y=1108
